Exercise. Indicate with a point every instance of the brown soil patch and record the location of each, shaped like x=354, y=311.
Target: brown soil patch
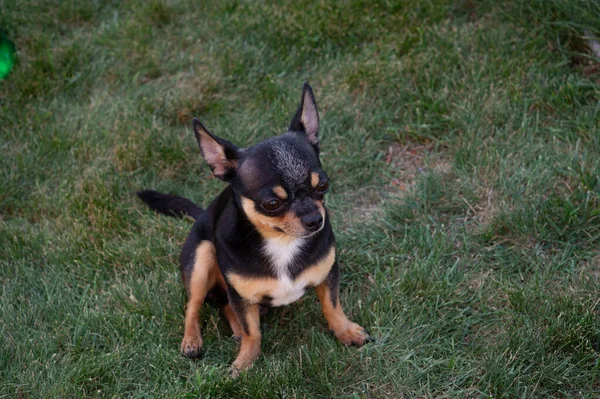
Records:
x=362, y=206
x=367, y=207
x=407, y=162
x=410, y=160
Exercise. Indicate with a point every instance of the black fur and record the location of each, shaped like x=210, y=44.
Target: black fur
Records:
x=333, y=282
x=171, y=205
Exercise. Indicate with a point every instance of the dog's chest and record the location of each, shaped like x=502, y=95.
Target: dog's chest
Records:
x=286, y=291
x=282, y=289
x=282, y=253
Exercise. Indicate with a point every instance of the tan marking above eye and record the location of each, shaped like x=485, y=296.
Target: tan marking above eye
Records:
x=314, y=179
x=280, y=192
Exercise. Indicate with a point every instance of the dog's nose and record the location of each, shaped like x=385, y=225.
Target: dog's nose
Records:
x=312, y=221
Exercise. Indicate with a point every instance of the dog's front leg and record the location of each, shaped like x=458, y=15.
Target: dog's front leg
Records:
x=346, y=331
x=248, y=315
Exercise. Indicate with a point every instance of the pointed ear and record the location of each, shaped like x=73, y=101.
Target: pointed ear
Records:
x=306, y=119
x=221, y=155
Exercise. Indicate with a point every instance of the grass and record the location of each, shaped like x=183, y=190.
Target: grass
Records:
x=462, y=140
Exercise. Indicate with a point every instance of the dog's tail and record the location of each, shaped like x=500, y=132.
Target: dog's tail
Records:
x=171, y=205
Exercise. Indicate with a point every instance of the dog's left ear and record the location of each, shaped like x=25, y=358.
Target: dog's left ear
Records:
x=221, y=155
x=306, y=119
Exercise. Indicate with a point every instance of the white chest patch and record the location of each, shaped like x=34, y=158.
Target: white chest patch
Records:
x=282, y=252
x=281, y=289
x=287, y=291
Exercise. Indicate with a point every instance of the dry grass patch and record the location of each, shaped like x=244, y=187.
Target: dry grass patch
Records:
x=408, y=161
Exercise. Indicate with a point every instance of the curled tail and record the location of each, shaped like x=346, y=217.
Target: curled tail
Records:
x=171, y=205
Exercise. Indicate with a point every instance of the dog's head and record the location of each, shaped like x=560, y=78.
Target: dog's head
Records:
x=279, y=182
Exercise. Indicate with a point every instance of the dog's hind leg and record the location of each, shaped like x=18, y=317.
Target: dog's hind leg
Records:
x=226, y=310
x=249, y=318
x=202, y=278
x=229, y=314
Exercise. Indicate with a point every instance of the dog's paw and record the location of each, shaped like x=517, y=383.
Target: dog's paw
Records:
x=242, y=363
x=353, y=334
x=234, y=372
x=238, y=367
x=191, y=347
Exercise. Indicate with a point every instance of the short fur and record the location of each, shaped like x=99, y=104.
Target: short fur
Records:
x=265, y=239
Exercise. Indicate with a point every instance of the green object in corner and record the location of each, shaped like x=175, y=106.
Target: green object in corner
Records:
x=7, y=55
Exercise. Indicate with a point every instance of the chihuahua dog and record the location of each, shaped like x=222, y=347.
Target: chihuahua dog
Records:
x=264, y=240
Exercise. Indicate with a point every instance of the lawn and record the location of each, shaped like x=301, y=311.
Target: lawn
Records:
x=462, y=139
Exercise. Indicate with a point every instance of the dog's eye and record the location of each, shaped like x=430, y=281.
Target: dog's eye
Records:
x=271, y=205
x=323, y=186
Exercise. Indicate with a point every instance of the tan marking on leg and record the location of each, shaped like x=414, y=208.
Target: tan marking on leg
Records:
x=280, y=192
x=346, y=331
x=226, y=310
x=314, y=179
x=202, y=280
x=250, y=348
x=220, y=280
x=234, y=323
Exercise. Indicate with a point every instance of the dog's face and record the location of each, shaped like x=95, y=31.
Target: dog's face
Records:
x=283, y=186
x=279, y=181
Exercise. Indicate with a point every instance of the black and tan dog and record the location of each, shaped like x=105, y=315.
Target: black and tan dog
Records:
x=265, y=239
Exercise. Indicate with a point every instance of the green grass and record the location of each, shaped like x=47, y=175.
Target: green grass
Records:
x=462, y=140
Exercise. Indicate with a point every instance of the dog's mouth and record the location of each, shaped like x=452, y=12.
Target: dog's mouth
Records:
x=289, y=229
x=312, y=233
x=308, y=233
x=297, y=233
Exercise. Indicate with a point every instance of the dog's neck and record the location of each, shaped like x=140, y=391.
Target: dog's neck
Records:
x=282, y=252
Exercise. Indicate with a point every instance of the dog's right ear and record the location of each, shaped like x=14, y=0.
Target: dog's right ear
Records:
x=221, y=155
